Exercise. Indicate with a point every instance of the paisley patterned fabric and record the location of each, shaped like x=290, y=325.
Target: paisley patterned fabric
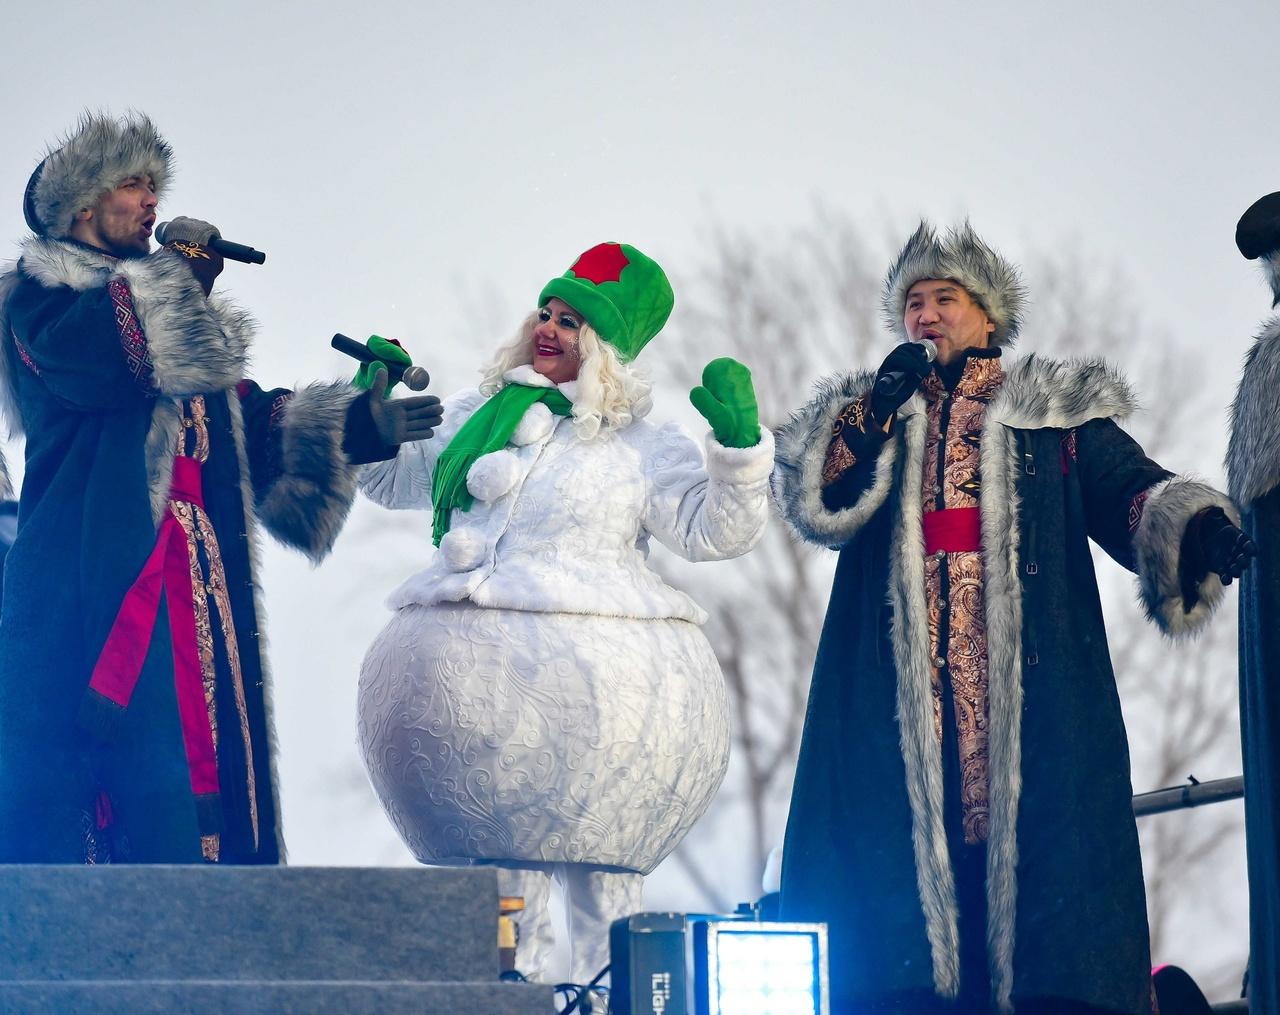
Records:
x=546, y=737
x=954, y=581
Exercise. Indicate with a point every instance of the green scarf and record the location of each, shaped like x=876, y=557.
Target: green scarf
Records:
x=489, y=429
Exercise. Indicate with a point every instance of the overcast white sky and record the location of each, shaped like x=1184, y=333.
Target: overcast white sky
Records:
x=420, y=169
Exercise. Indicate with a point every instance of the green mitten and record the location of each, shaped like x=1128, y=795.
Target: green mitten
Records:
x=728, y=401
x=388, y=351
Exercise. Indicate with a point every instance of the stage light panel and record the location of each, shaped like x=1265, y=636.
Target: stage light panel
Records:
x=750, y=968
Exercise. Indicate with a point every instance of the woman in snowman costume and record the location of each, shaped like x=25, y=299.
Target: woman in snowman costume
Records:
x=542, y=701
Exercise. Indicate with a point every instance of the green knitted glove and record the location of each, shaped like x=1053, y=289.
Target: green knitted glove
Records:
x=388, y=351
x=727, y=400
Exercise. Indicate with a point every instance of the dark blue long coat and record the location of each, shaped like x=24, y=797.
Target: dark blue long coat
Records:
x=1253, y=467
x=103, y=358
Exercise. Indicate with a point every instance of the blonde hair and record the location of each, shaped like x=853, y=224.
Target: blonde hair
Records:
x=611, y=393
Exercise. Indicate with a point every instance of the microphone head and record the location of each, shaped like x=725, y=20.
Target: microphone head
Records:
x=415, y=378
x=161, y=233
x=930, y=349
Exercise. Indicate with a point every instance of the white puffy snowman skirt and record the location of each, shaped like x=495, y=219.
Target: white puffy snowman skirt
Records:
x=496, y=734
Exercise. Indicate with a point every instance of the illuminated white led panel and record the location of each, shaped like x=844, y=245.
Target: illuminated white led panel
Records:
x=766, y=969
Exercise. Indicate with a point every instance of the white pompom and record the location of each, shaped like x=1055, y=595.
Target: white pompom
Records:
x=463, y=549
x=493, y=475
x=535, y=424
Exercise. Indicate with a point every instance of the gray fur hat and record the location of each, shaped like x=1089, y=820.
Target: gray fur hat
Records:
x=93, y=159
x=962, y=257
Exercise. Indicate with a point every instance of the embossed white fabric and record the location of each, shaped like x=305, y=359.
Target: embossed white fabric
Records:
x=540, y=695
x=548, y=737
x=570, y=531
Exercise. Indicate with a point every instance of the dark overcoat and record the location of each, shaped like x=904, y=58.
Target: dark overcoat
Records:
x=1253, y=469
x=866, y=848
x=99, y=378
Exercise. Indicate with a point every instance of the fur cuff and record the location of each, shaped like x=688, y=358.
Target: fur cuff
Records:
x=1157, y=545
x=1253, y=456
x=740, y=466
x=307, y=504
x=190, y=352
x=802, y=444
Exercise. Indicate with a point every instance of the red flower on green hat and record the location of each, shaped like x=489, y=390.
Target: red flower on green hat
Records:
x=602, y=263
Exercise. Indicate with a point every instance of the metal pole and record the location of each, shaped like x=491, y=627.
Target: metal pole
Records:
x=1195, y=794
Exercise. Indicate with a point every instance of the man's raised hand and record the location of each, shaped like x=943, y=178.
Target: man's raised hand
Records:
x=401, y=420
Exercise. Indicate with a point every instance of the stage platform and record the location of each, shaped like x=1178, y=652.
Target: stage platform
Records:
x=133, y=939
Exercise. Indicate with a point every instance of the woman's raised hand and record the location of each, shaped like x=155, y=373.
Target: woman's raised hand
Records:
x=727, y=399
x=389, y=353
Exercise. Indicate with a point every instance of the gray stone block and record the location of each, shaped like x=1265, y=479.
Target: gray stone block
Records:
x=256, y=998
x=247, y=923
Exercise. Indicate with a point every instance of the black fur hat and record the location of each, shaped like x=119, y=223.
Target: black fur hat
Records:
x=1258, y=237
x=94, y=159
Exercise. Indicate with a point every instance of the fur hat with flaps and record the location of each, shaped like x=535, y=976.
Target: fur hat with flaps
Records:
x=100, y=154
x=962, y=257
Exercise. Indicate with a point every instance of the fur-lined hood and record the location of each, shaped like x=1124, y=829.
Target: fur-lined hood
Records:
x=1253, y=454
x=93, y=159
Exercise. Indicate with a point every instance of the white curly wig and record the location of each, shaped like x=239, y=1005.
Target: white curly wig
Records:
x=611, y=393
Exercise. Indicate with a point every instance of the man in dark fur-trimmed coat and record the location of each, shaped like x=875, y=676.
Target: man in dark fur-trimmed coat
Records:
x=134, y=710
x=962, y=812
x=1253, y=473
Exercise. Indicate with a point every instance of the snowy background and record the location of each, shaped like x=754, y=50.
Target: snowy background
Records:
x=421, y=169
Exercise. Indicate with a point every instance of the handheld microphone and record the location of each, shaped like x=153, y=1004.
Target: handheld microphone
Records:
x=893, y=383
x=413, y=378
x=234, y=251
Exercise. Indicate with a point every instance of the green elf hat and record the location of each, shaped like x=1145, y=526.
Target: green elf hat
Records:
x=623, y=294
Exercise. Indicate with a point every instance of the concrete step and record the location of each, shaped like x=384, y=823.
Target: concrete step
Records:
x=272, y=998
x=308, y=924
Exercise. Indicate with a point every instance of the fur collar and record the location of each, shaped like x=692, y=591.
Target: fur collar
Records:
x=1037, y=392
x=1253, y=454
x=60, y=262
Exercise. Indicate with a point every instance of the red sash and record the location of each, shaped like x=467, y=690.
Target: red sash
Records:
x=955, y=530
x=116, y=673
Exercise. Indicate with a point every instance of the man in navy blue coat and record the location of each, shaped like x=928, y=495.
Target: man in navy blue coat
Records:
x=962, y=813
x=134, y=705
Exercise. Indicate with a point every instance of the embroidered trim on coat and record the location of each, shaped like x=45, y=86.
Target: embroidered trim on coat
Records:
x=137, y=354
x=1136, y=507
x=839, y=458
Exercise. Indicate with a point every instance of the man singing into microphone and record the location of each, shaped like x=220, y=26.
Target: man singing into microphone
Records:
x=134, y=713
x=962, y=811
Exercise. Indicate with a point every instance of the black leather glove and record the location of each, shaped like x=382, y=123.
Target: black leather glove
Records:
x=897, y=380
x=1227, y=550
x=401, y=420
x=189, y=238
x=1212, y=543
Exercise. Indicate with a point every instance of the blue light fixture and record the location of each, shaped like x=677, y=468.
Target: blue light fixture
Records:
x=744, y=967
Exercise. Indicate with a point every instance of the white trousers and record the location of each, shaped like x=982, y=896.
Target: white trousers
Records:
x=594, y=898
